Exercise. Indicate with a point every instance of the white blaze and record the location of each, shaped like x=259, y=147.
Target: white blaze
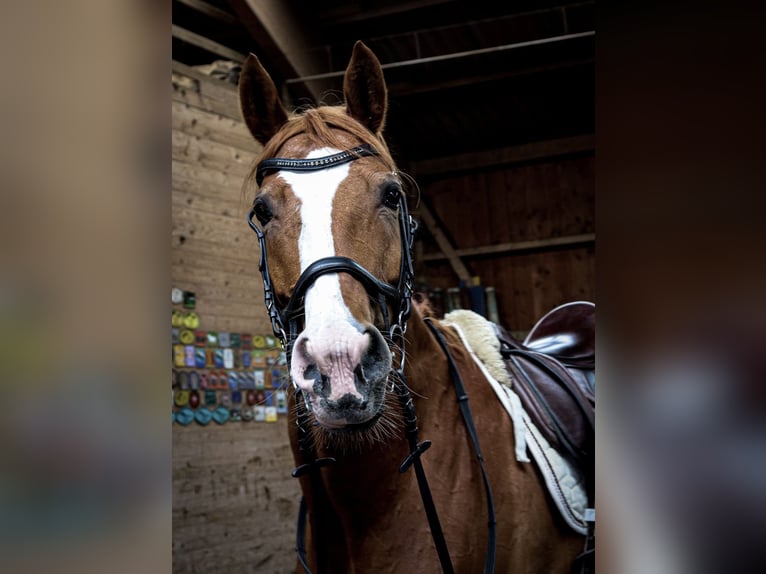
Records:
x=316, y=191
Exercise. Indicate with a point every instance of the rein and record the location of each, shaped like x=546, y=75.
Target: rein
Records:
x=285, y=326
x=465, y=410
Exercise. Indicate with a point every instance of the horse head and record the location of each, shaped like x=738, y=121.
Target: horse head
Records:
x=335, y=239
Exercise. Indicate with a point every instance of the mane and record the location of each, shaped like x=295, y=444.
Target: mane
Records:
x=321, y=125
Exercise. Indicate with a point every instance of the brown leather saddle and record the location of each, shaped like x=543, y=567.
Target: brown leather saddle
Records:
x=553, y=373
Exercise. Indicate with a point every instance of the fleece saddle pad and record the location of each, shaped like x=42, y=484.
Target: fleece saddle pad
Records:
x=564, y=481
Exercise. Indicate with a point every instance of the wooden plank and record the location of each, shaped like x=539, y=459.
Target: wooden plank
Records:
x=209, y=204
x=189, y=93
x=181, y=257
x=209, y=10
x=232, y=198
x=535, y=244
x=252, y=295
x=222, y=283
x=444, y=244
x=218, y=257
x=192, y=87
x=207, y=44
x=499, y=226
x=227, y=231
x=204, y=181
x=256, y=314
x=215, y=156
x=577, y=195
x=190, y=275
x=236, y=324
x=194, y=121
x=196, y=147
x=540, y=193
x=212, y=246
x=503, y=156
x=473, y=205
x=519, y=212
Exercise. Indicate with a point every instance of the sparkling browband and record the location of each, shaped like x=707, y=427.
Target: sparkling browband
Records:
x=277, y=163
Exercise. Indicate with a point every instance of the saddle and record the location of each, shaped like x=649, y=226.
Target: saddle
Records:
x=553, y=373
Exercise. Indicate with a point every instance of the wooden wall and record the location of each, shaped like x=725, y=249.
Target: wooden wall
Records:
x=215, y=253
x=526, y=203
x=234, y=503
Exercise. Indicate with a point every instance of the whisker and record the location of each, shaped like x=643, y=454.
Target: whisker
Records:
x=415, y=186
x=409, y=388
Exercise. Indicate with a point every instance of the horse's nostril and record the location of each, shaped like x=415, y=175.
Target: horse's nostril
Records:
x=376, y=360
x=312, y=373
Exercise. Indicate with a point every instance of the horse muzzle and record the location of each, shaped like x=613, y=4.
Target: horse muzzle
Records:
x=342, y=371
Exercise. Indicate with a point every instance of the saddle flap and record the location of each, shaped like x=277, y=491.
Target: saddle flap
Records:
x=553, y=375
x=568, y=333
x=553, y=397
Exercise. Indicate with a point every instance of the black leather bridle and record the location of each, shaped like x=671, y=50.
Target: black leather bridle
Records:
x=398, y=297
x=285, y=325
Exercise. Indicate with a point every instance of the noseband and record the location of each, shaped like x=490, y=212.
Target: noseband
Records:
x=399, y=299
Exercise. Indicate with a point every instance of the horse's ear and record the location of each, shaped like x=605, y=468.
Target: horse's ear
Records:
x=261, y=107
x=365, y=89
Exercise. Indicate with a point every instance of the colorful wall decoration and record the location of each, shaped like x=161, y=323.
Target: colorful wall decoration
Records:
x=223, y=377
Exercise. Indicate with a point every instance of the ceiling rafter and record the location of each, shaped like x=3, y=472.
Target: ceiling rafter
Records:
x=207, y=44
x=209, y=10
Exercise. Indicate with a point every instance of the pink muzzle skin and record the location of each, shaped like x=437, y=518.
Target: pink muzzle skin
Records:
x=341, y=371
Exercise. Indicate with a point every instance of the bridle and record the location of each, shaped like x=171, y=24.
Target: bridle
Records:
x=399, y=296
x=285, y=325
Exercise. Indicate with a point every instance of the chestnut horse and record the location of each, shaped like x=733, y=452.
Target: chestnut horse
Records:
x=335, y=239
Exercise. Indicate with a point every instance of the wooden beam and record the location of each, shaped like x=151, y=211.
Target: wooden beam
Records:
x=454, y=55
x=210, y=11
x=348, y=14
x=503, y=156
x=207, y=44
x=405, y=88
x=535, y=244
x=284, y=40
x=448, y=251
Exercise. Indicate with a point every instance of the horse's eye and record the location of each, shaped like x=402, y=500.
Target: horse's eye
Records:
x=262, y=211
x=391, y=195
